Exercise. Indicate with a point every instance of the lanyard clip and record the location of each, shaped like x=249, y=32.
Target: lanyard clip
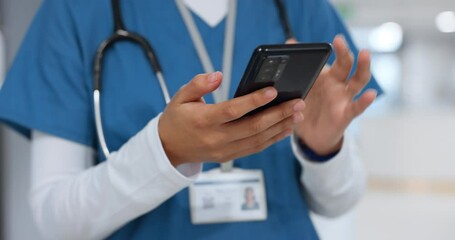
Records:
x=227, y=166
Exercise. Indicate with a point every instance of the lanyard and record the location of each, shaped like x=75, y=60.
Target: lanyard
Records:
x=222, y=93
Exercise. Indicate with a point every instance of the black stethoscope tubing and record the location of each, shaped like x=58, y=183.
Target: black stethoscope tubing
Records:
x=122, y=34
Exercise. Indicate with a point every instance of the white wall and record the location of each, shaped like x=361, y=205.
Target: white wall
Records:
x=2, y=73
x=410, y=156
x=2, y=57
x=14, y=151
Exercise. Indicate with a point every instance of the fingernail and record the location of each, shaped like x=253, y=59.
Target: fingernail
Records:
x=299, y=106
x=270, y=93
x=298, y=117
x=343, y=37
x=213, y=77
x=375, y=92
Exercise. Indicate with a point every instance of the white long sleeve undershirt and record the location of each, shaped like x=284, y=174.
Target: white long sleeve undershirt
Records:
x=73, y=199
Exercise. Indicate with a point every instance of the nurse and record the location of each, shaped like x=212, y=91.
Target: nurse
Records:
x=140, y=189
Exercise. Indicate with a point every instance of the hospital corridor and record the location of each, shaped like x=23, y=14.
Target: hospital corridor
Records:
x=405, y=139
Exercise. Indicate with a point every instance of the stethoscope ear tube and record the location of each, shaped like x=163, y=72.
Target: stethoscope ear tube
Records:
x=118, y=20
x=98, y=123
x=289, y=34
x=97, y=64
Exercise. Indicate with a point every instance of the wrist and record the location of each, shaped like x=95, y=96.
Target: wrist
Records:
x=166, y=143
x=321, y=150
x=173, y=158
x=313, y=156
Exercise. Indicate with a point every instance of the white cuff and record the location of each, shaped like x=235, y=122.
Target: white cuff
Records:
x=322, y=167
x=335, y=186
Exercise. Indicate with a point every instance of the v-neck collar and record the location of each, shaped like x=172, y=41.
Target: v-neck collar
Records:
x=211, y=12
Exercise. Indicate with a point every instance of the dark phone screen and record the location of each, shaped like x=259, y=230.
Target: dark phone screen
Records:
x=291, y=71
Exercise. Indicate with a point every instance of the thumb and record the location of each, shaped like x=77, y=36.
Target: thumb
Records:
x=199, y=86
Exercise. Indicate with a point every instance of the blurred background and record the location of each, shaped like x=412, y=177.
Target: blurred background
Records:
x=406, y=139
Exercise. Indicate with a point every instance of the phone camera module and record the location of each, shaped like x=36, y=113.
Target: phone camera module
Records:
x=268, y=70
x=272, y=61
x=272, y=68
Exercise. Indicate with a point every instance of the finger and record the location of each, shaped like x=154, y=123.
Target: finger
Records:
x=236, y=108
x=253, y=125
x=291, y=41
x=362, y=74
x=359, y=106
x=233, y=147
x=258, y=148
x=199, y=86
x=344, y=59
x=263, y=136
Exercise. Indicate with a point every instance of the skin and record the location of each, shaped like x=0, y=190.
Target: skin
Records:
x=330, y=106
x=192, y=131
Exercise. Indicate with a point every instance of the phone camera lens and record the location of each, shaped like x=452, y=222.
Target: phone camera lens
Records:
x=267, y=70
x=272, y=61
x=264, y=78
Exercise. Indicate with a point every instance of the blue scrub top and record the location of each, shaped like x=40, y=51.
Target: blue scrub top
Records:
x=49, y=88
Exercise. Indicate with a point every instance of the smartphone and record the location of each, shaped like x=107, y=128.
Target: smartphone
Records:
x=291, y=69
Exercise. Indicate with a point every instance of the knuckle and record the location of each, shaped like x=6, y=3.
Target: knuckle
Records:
x=199, y=77
x=257, y=126
x=256, y=99
x=230, y=111
x=209, y=143
x=215, y=145
x=197, y=81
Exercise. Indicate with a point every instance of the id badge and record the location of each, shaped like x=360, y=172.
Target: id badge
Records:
x=235, y=196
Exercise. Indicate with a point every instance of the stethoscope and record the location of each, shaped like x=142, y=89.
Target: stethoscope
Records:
x=122, y=34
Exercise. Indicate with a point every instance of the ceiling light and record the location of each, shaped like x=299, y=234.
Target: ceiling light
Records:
x=386, y=38
x=445, y=22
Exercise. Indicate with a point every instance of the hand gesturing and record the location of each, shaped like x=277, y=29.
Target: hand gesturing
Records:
x=330, y=105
